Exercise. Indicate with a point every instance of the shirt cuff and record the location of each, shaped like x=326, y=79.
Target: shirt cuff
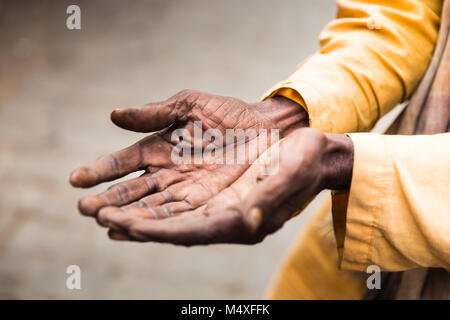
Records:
x=287, y=90
x=354, y=213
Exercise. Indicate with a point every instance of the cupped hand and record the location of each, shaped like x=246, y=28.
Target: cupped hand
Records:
x=168, y=188
x=255, y=205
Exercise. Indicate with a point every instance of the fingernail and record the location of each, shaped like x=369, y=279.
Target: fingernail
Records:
x=255, y=218
x=114, y=227
x=83, y=177
x=118, y=235
x=138, y=236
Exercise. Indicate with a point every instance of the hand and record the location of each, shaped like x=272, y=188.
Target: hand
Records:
x=168, y=188
x=254, y=206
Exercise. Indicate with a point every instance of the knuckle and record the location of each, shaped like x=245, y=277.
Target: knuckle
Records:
x=115, y=164
x=123, y=194
x=183, y=95
x=183, y=92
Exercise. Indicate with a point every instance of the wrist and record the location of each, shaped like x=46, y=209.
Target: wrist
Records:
x=337, y=161
x=283, y=114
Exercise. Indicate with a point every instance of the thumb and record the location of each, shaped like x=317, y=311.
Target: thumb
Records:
x=265, y=198
x=154, y=116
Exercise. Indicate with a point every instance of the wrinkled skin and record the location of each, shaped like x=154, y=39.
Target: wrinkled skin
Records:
x=167, y=189
x=255, y=205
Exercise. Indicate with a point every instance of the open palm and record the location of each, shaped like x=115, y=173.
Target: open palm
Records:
x=251, y=208
x=167, y=188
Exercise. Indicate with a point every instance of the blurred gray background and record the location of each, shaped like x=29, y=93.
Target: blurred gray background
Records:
x=57, y=88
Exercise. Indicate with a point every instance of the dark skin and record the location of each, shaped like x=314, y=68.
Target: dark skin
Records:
x=167, y=188
x=203, y=204
x=255, y=205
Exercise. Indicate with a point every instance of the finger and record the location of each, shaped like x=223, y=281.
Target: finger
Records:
x=226, y=227
x=172, y=187
x=118, y=236
x=155, y=116
x=274, y=199
x=268, y=194
x=102, y=215
x=118, y=195
x=152, y=200
x=169, y=209
x=107, y=168
x=294, y=178
x=119, y=220
x=129, y=191
x=155, y=205
x=255, y=217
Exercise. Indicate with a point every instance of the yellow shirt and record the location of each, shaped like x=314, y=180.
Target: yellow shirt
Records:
x=398, y=214
x=371, y=58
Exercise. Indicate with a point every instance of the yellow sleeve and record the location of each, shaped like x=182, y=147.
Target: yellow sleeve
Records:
x=398, y=212
x=371, y=58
